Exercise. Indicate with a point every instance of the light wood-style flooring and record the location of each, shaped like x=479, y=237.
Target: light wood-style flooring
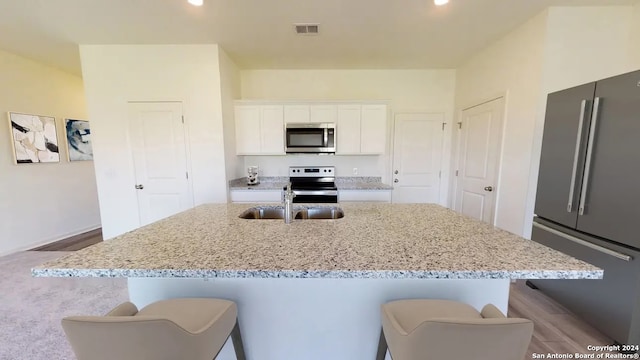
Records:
x=74, y=243
x=556, y=329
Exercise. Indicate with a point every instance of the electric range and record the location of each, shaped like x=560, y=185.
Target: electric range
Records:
x=315, y=184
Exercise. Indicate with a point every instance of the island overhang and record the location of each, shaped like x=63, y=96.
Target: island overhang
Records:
x=381, y=241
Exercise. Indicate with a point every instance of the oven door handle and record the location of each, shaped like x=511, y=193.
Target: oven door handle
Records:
x=316, y=192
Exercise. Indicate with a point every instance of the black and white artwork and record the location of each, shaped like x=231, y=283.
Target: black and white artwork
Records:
x=35, y=139
x=78, y=140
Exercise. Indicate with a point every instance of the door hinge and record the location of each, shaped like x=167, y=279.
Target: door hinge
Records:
x=443, y=124
x=460, y=125
x=183, y=119
x=456, y=172
x=187, y=174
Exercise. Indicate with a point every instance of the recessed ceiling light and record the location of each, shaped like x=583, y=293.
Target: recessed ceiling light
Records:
x=195, y=2
x=440, y=2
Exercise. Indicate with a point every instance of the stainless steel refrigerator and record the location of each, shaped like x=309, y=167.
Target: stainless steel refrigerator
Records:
x=588, y=200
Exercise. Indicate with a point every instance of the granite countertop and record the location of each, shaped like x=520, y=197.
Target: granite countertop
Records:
x=373, y=240
x=342, y=183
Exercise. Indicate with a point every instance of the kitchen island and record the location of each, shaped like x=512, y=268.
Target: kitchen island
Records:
x=312, y=289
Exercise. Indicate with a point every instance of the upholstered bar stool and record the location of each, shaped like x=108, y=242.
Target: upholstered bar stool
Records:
x=189, y=329
x=444, y=330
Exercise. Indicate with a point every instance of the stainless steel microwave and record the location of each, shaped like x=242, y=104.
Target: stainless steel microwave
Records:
x=315, y=138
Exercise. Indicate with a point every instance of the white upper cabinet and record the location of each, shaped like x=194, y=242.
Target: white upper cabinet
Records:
x=259, y=130
x=272, y=130
x=296, y=114
x=323, y=113
x=373, y=129
x=247, y=129
x=348, y=129
x=362, y=129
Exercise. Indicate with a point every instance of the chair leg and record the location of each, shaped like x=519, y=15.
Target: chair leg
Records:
x=382, y=347
x=237, y=342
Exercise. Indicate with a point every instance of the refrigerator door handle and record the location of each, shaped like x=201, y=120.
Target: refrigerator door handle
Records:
x=587, y=165
x=576, y=155
x=599, y=248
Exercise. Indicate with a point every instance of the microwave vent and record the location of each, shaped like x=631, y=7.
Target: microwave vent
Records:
x=307, y=29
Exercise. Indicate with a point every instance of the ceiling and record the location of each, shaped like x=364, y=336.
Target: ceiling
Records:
x=259, y=34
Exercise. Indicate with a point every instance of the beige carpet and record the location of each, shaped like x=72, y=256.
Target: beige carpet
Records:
x=31, y=308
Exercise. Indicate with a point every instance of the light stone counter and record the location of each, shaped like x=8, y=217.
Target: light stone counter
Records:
x=389, y=241
x=312, y=289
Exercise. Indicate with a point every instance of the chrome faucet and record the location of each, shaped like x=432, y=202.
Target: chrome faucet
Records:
x=288, y=204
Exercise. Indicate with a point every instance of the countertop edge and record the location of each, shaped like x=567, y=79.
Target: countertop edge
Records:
x=319, y=274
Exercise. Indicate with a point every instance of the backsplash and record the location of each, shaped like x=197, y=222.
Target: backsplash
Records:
x=279, y=165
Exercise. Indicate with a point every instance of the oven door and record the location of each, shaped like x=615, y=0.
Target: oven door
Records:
x=310, y=138
x=315, y=196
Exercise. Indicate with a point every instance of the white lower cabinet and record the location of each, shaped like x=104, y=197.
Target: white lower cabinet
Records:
x=364, y=195
x=256, y=196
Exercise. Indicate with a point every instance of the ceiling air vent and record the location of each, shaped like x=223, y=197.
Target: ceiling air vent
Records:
x=307, y=29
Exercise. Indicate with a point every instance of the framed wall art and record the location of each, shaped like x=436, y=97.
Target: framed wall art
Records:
x=34, y=137
x=78, y=134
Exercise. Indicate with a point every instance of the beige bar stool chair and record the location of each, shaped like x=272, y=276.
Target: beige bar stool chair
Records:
x=444, y=330
x=185, y=329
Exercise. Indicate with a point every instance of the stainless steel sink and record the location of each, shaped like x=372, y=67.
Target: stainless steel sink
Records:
x=302, y=213
x=325, y=212
x=263, y=212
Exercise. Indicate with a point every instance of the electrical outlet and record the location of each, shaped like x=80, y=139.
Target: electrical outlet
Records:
x=355, y=171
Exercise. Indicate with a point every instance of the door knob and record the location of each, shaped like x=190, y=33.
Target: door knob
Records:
x=139, y=186
x=488, y=188
x=396, y=172
x=396, y=180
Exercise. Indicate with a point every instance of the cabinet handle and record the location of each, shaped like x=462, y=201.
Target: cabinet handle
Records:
x=576, y=240
x=139, y=187
x=587, y=166
x=396, y=172
x=396, y=180
x=576, y=154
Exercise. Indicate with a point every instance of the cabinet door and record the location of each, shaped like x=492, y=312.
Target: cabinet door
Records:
x=322, y=113
x=247, y=129
x=611, y=194
x=563, y=138
x=348, y=129
x=296, y=113
x=373, y=129
x=272, y=130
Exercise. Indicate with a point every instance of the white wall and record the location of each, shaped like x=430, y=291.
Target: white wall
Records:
x=586, y=44
x=230, y=91
x=557, y=49
x=116, y=74
x=583, y=44
x=511, y=66
x=405, y=91
x=40, y=203
x=634, y=39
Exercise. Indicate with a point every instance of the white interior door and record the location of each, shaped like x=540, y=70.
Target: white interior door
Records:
x=158, y=143
x=480, y=139
x=417, y=158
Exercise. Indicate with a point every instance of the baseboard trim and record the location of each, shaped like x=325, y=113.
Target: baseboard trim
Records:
x=52, y=240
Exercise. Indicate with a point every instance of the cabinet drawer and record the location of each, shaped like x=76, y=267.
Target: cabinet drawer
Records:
x=256, y=196
x=364, y=195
